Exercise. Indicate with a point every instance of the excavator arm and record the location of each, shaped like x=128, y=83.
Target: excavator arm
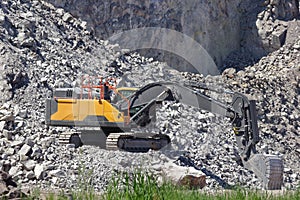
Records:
x=241, y=112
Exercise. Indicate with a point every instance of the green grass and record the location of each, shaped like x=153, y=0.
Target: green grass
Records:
x=144, y=186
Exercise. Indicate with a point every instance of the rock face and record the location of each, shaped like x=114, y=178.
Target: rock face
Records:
x=265, y=25
x=215, y=25
x=222, y=28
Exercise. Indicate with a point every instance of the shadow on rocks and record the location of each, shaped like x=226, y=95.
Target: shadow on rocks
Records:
x=186, y=161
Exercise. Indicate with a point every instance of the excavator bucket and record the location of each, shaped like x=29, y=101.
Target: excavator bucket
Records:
x=268, y=168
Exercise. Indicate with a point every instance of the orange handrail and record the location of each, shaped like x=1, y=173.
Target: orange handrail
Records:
x=110, y=82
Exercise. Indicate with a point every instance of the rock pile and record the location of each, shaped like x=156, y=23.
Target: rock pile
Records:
x=42, y=47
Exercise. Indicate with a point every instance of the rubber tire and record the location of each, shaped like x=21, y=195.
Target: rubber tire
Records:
x=75, y=139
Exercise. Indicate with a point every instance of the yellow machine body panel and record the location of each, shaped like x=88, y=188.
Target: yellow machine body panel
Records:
x=69, y=107
x=82, y=109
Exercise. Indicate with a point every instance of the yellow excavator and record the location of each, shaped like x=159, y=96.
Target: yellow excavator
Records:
x=99, y=103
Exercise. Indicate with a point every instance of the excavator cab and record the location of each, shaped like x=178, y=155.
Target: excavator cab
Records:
x=122, y=93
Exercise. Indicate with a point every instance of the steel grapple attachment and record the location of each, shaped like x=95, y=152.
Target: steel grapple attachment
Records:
x=268, y=168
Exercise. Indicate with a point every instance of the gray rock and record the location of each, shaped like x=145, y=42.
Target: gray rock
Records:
x=278, y=38
x=22, y=36
x=60, y=11
x=25, y=150
x=57, y=173
x=36, y=152
x=274, y=2
x=2, y=124
x=83, y=25
x=70, y=146
x=44, y=80
x=2, y=19
x=67, y=17
x=28, y=42
x=39, y=171
x=29, y=142
x=229, y=72
x=7, y=118
x=29, y=165
x=47, y=141
x=296, y=46
x=13, y=170
x=3, y=188
x=10, y=151
x=30, y=175
x=23, y=113
x=17, y=143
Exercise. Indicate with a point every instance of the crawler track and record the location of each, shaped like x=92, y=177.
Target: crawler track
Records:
x=136, y=142
x=64, y=138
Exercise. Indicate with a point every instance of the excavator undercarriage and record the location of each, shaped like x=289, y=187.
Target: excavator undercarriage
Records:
x=92, y=106
x=136, y=142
